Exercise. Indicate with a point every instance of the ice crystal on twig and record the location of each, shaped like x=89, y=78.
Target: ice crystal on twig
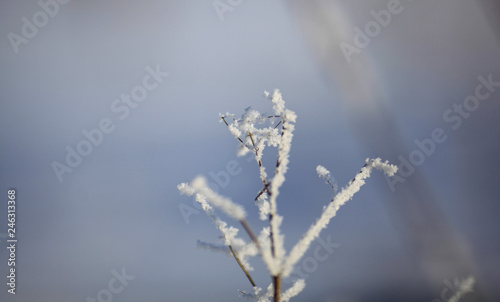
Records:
x=256, y=131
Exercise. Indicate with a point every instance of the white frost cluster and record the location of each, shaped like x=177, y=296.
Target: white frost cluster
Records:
x=331, y=210
x=225, y=204
x=246, y=130
x=293, y=291
x=325, y=174
x=266, y=296
x=255, y=131
x=258, y=294
x=228, y=233
x=264, y=207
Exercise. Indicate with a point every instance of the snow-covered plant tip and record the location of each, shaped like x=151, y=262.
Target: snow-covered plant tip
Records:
x=255, y=131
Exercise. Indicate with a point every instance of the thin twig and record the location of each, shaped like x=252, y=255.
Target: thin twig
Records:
x=244, y=223
x=266, y=188
x=251, y=233
x=271, y=234
x=277, y=288
x=256, y=151
x=251, y=137
x=242, y=266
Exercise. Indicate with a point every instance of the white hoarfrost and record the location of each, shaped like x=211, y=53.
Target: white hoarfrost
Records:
x=225, y=204
x=297, y=287
x=228, y=233
x=325, y=174
x=266, y=296
x=331, y=210
x=255, y=132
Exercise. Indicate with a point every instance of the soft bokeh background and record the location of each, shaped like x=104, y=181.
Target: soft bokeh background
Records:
x=120, y=207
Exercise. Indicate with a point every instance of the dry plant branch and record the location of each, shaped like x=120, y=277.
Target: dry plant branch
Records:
x=269, y=244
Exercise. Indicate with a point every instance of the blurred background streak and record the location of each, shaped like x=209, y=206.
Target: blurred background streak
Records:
x=119, y=208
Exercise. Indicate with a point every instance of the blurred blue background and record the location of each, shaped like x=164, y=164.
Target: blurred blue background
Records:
x=119, y=208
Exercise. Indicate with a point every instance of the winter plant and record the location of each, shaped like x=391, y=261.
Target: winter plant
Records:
x=255, y=132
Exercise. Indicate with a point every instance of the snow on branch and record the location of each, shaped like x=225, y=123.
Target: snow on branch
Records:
x=293, y=291
x=255, y=131
x=258, y=294
x=225, y=204
x=288, y=120
x=244, y=250
x=325, y=174
x=331, y=210
x=228, y=233
x=266, y=296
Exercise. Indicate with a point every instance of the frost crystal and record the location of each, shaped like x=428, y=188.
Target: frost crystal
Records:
x=325, y=174
x=230, y=208
x=228, y=233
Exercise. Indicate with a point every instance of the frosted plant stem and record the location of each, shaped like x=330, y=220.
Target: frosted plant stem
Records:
x=186, y=189
x=265, y=189
x=256, y=151
x=242, y=266
x=331, y=210
x=270, y=243
x=276, y=279
x=261, y=168
x=273, y=249
x=225, y=122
